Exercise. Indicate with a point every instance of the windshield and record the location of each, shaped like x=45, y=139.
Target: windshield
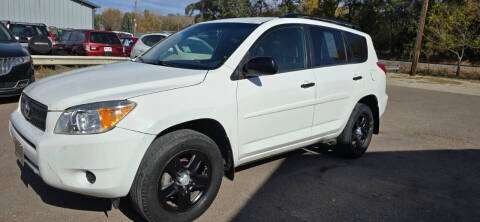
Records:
x=203, y=46
x=4, y=34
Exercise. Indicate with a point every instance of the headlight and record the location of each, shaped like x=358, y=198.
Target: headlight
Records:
x=93, y=118
x=20, y=60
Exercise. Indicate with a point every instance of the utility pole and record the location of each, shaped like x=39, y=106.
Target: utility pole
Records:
x=418, y=41
x=135, y=19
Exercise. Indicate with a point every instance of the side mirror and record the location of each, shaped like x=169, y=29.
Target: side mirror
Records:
x=260, y=66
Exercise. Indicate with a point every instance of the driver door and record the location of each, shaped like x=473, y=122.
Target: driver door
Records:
x=275, y=112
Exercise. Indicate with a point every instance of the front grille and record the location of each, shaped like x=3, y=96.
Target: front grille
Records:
x=6, y=65
x=7, y=85
x=34, y=112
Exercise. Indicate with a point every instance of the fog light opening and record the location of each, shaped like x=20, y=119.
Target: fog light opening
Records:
x=91, y=178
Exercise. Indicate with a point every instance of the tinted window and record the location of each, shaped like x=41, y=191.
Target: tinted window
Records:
x=201, y=46
x=26, y=31
x=151, y=40
x=328, y=47
x=104, y=38
x=286, y=46
x=4, y=34
x=358, y=48
x=65, y=35
x=78, y=36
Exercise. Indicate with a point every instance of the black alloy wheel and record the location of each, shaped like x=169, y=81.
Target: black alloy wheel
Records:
x=184, y=181
x=357, y=134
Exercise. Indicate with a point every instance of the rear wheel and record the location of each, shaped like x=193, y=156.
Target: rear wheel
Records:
x=178, y=178
x=356, y=137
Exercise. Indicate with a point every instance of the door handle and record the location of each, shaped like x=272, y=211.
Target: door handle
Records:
x=357, y=78
x=307, y=85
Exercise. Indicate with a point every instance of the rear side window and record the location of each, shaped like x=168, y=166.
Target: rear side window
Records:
x=151, y=40
x=78, y=36
x=357, y=44
x=286, y=46
x=104, y=38
x=26, y=31
x=328, y=47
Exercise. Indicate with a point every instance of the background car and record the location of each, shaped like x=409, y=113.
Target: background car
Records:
x=62, y=37
x=33, y=36
x=146, y=41
x=128, y=43
x=16, y=69
x=94, y=43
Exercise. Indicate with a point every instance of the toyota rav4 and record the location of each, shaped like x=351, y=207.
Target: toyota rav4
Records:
x=165, y=128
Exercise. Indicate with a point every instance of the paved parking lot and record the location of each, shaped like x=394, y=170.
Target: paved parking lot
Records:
x=424, y=166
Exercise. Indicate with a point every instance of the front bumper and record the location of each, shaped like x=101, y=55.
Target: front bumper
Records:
x=63, y=160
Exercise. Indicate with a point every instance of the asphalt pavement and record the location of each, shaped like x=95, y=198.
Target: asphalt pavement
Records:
x=424, y=166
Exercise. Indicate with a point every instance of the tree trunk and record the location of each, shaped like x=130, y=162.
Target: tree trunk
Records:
x=458, y=68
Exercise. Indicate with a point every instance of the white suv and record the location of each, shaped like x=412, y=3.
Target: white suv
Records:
x=165, y=128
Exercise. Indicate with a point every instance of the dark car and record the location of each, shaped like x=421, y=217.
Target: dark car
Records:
x=63, y=35
x=16, y=68
x=94, y=43
x=33, y=36
x=128, y=42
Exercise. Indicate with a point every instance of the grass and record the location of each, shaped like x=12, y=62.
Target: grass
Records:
x=44, y=71
x=429, y=79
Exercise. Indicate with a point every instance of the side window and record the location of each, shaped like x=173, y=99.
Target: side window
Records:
x=357, y=52
x=151, y=40
x=286, y=46
x=328, y=47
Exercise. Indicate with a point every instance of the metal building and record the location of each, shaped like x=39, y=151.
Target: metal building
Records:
x=77, y=14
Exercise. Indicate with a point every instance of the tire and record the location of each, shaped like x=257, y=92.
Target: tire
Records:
x=356, y=137
x=169, y=169
x=40, y=45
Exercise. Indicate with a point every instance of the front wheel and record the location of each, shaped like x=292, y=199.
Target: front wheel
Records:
x=356, y=137
x=178, y=178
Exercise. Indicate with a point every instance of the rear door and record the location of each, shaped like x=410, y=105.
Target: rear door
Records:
x=276, y=111
x=337, y=81
x=107, y=43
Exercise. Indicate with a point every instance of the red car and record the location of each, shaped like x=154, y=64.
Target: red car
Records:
x=128, y=43
x=94, y=43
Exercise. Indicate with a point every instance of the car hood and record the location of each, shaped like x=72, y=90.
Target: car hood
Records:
x=11, y=49
x=110, y=82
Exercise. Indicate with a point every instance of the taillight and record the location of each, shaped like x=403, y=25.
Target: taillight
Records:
x=382, y=67
x=54, y=44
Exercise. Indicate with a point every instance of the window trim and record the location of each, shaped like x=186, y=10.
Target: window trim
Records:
x=238, y=74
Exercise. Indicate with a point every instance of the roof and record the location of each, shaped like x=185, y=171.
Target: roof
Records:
x=252, y=20
x=87, y=3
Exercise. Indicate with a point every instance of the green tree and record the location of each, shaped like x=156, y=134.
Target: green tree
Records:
x=98, y=22
x=111, y=19
x=217, y=9
x=453, y=27
x=128, y=23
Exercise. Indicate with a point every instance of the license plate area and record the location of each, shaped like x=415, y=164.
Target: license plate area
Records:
x=19, y=151
x=107, y=49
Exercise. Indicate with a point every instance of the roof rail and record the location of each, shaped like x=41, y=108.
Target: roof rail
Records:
x=323, y=19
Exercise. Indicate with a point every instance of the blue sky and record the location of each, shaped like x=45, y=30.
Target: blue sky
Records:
x=161, y=6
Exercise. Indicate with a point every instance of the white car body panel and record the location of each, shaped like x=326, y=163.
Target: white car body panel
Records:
x=283, y=118
x=116, y=81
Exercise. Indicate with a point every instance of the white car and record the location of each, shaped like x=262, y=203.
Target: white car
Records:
x=165, y=128
x=145, y=42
